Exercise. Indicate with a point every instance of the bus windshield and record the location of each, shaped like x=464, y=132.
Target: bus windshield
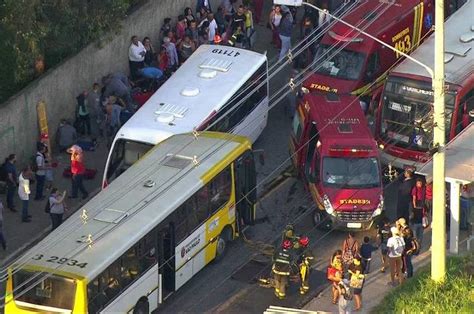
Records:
x=41, y=290
x=345, y=64
x=351, y=173
x=407, y=116
x=125, y=153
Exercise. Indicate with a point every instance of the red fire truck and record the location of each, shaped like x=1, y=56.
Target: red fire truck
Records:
x=336, y=156
x=404, y=118
x=362, y=60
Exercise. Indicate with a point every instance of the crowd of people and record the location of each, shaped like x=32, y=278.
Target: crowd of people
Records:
x=397, y=242
x=102, y=110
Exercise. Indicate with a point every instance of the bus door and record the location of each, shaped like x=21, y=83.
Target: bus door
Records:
x=245, y=188
x=166, y=260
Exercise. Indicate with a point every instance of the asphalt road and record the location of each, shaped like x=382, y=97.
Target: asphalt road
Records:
x=230, y=285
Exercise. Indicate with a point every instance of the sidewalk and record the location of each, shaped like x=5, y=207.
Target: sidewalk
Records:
x=375, y=287
x=20, y=235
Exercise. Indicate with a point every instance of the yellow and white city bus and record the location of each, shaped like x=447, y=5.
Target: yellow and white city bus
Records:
x=146, y=235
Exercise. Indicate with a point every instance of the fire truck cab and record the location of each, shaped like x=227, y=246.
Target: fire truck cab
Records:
x=335, y=154
x=352, y=62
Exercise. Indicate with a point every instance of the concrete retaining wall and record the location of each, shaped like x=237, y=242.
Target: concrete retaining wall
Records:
x=60, y=86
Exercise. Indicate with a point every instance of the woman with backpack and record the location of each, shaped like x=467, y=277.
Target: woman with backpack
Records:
x=395, y=246
x=350, y=248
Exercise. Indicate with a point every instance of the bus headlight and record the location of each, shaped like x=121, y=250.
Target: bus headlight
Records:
x=327, y=205
x=382, y=146
x=379, y=208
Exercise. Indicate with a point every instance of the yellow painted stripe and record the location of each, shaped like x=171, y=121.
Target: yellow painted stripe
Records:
x=415, y=23
x=420, y=23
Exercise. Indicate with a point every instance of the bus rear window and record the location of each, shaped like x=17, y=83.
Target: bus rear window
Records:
x=125, y=153
x=41, y=290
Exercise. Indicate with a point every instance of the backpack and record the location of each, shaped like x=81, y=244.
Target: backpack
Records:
x=47, y=207
x=349, y=252
x=3, y=172
x=33, y=164
x=415, y=246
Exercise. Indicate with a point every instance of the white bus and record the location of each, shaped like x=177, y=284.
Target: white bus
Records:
x=206, y=87
x=146, y=235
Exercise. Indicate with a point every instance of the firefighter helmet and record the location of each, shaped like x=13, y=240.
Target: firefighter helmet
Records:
x=286, y=244
x=217, y=39
x=304, y=241
x=289, y=231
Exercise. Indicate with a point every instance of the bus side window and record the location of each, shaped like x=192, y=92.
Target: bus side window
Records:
x=112, y=282
x=465, y=112
x=184, y=219
x=219, y=190
x=201, y=207
x=116, y=158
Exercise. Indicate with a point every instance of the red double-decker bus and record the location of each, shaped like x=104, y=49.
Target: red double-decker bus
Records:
x=402, y=24
x=404, y=119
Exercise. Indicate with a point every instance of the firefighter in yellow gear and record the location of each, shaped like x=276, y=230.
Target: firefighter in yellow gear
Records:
x=237, y=38
x=289, y=234
x=281, y=268
x=305, y=261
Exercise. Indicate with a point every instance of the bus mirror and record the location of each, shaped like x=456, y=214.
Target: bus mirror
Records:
x=261, y=156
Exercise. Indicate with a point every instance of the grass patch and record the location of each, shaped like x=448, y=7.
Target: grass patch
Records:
x=422, y=295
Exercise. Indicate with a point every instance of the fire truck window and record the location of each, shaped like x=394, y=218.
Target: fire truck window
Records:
x=313, y=140
x=372, y=66
x=346, y=64
x=297, y=127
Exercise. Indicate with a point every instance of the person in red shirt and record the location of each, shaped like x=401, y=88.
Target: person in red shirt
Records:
x=335, y=274
x=418, y=204
x=429, y=196
x=77, y=169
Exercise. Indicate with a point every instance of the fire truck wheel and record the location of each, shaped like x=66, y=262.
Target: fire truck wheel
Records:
x=320, y=220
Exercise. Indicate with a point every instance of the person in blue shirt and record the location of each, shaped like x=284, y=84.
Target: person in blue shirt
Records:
x=366, y=250
x=151, y=73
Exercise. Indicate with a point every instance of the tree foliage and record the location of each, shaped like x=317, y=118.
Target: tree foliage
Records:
x=48, y=31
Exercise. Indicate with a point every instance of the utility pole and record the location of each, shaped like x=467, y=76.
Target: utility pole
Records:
x=438, y=242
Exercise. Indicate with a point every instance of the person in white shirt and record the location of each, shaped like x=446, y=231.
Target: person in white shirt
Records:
x=323, y=17
x=395, y=246
x=173, y=61
x=212, y=27
x=136, y=56
x=56, y=207
x=24, y=192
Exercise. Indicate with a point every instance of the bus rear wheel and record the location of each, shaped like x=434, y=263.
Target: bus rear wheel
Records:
x=221, y=245
x=142, y=306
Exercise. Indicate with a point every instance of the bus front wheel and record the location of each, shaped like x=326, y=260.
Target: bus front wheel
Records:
x=142, y=306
